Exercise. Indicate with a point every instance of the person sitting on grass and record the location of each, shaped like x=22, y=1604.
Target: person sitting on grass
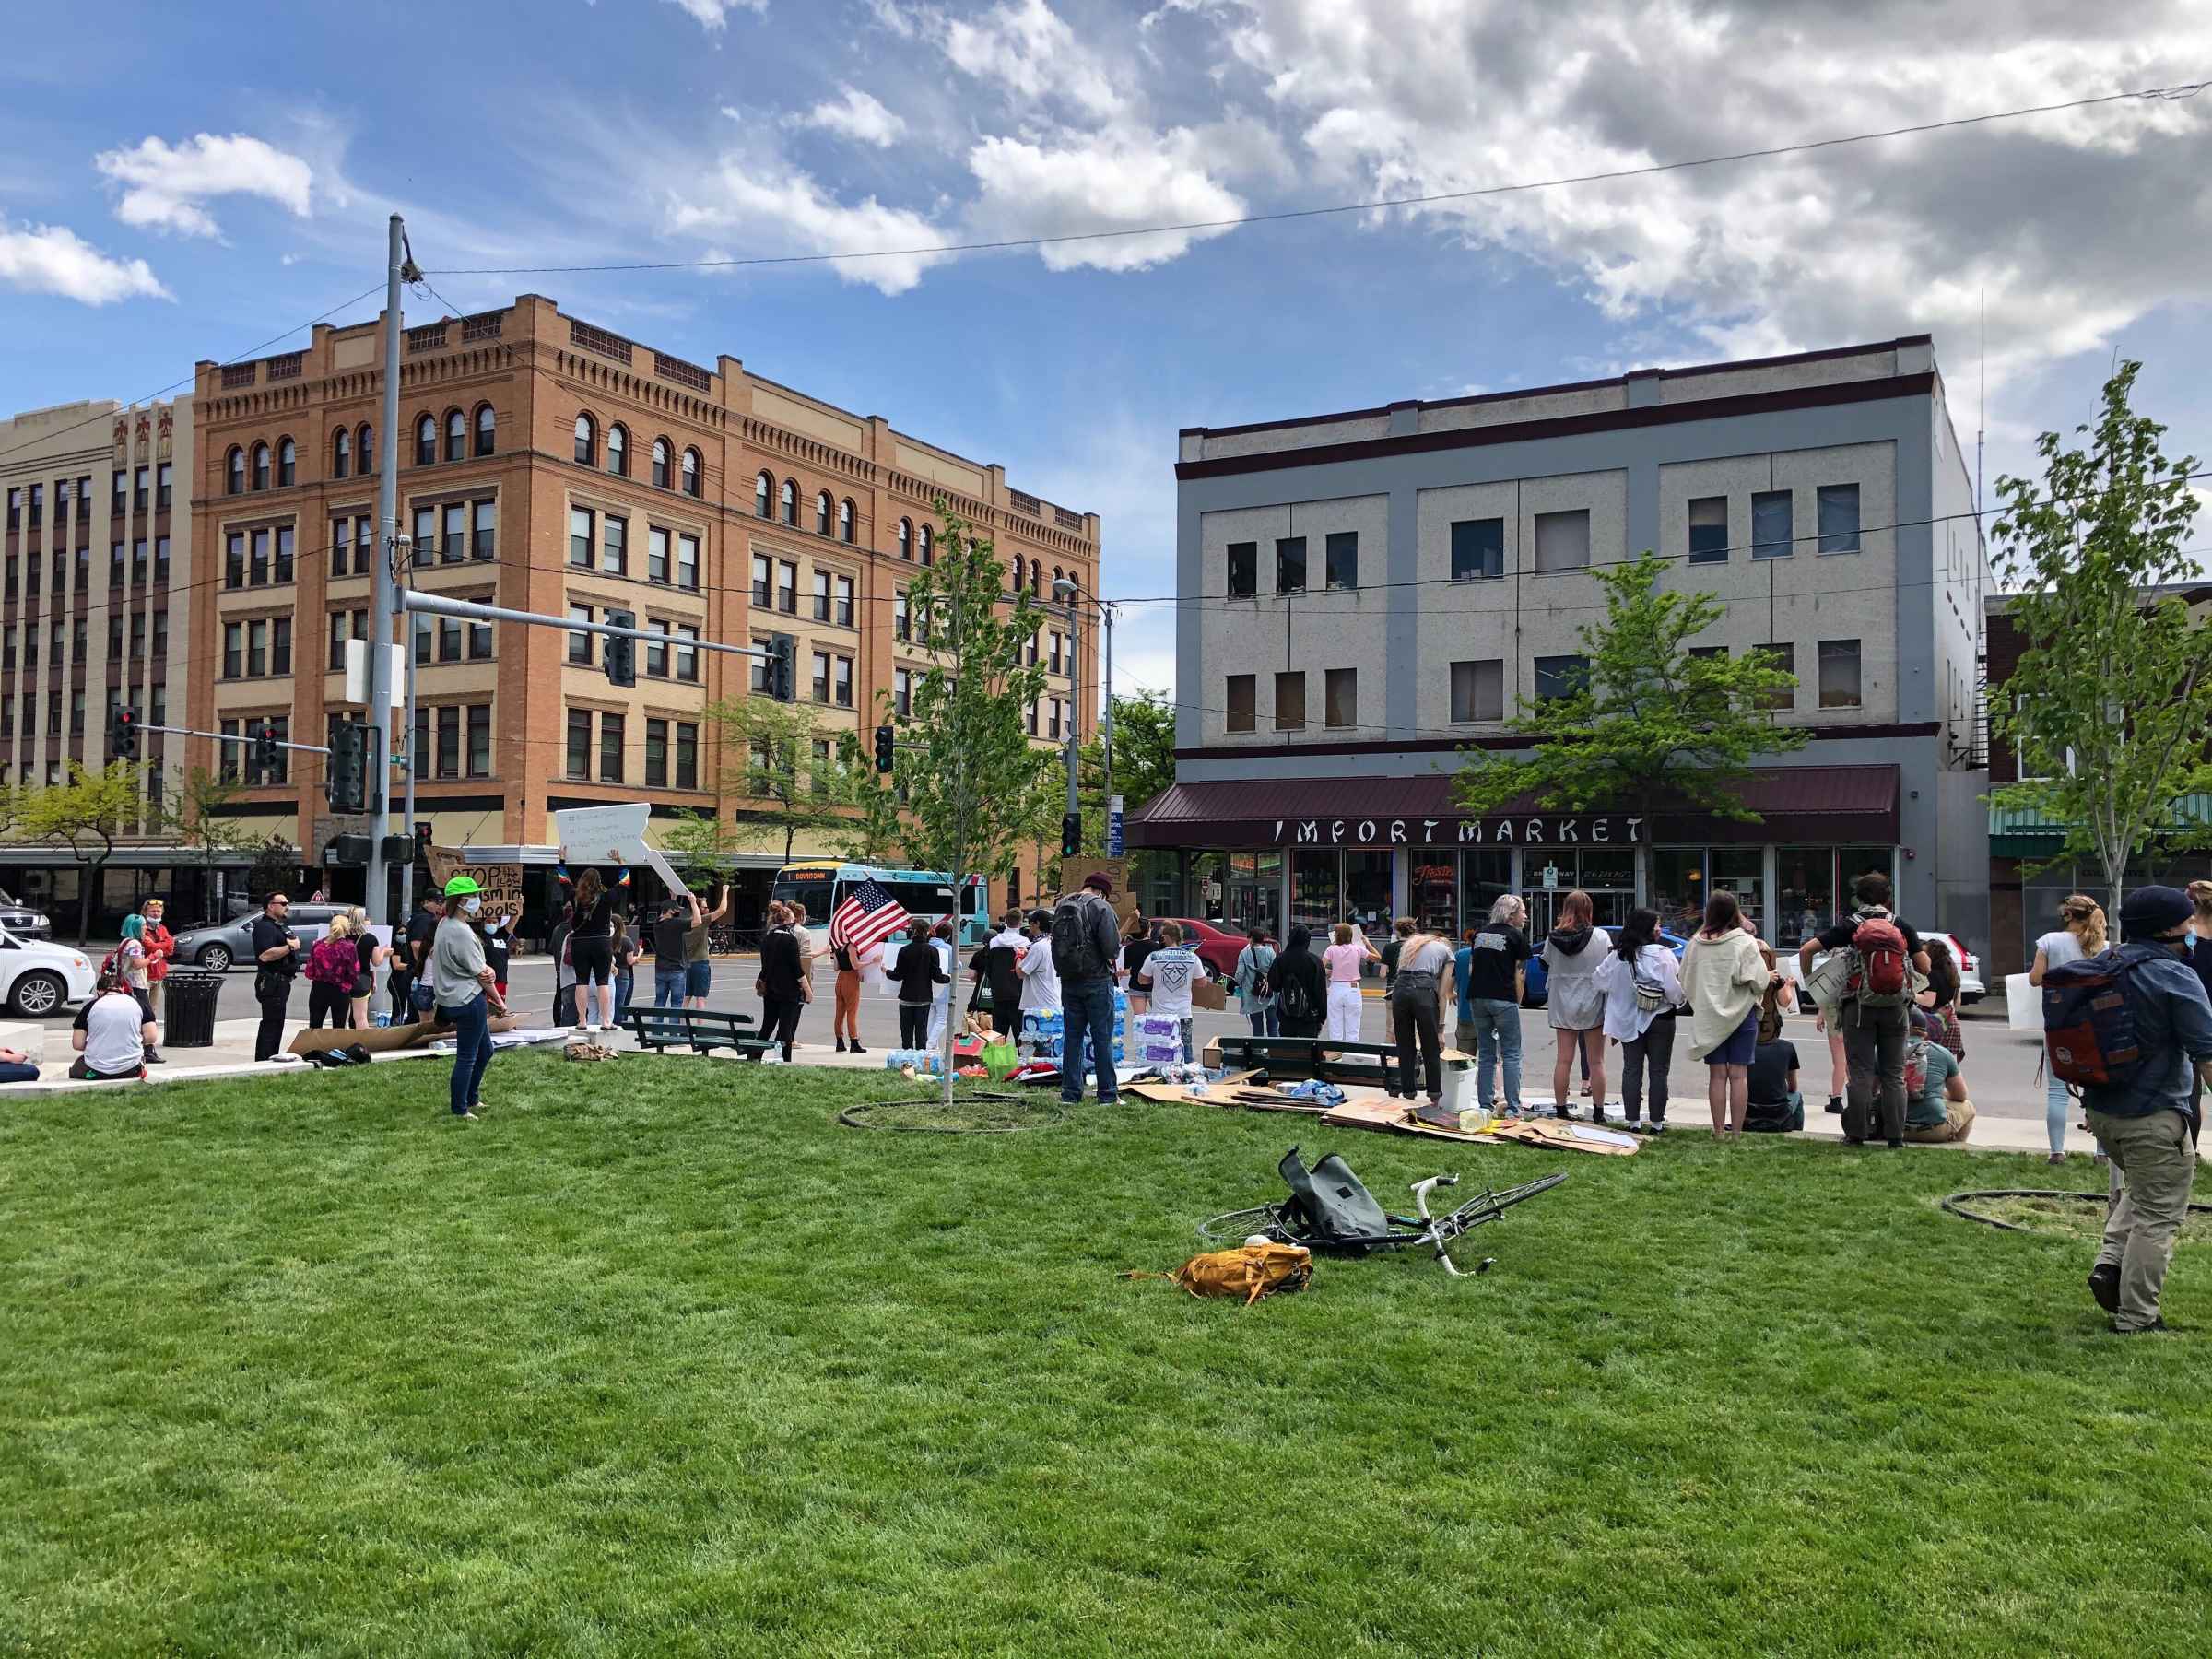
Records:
x=112, y=1035
x=1937, y=1109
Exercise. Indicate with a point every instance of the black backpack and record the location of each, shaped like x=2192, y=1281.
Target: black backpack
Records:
x=1292, y=992
x=1075, y=944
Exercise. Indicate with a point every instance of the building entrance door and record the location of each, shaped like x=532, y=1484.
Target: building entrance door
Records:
x=1608, y=877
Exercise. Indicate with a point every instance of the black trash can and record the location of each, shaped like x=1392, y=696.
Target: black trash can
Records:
x=188, y=999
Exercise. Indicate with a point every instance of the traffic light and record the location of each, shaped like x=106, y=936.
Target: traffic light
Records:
x=886, y=741
x=266, y=752
x=346, y=784
x=782, y=668
x=621, y=649
x=122, y=735
x=1071, y=834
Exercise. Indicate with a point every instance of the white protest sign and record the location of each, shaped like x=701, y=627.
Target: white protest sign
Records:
x=602, y=834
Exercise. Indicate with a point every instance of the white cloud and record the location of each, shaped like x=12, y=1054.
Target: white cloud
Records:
x=52, y=259
x=780, y=209
x=1024, y=47
x=164, y=187
x=712, y=15
x=1099, y=183
x=856, y=115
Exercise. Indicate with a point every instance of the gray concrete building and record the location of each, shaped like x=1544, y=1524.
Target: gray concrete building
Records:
x=1366, y=594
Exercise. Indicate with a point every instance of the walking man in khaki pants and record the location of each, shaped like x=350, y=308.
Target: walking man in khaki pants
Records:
x=2147, y=1124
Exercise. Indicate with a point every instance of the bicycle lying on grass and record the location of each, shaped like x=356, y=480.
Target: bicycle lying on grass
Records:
x=1330, y=1210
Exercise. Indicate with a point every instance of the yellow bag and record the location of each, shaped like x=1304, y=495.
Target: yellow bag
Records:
x=1250, y=1271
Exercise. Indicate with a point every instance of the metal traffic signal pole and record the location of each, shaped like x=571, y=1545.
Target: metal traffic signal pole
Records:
x=383, y=604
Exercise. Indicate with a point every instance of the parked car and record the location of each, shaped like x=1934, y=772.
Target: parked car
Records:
x=19, y=918
x=1533, y=990
x=38, y=978
x=1971, y=988
x=1216, y=946
x=218, y=945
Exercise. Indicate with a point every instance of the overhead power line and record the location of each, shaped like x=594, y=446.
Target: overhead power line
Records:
x=2184, y=91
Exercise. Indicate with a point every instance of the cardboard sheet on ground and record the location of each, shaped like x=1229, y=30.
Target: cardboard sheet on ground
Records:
x=1393, y=1117
x=1223, y=1095
x=385, y=1039
x=593, y=833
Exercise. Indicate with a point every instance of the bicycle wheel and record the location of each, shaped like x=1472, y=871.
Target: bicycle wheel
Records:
x=1488, y=1207
x=1233, y=1229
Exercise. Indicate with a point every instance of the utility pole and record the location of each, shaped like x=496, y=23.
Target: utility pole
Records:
x=382, y=603
x=1106, y=718
x=1065, y=591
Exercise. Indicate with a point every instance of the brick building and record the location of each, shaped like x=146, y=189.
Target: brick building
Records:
x=549, y=466
x=96, y=592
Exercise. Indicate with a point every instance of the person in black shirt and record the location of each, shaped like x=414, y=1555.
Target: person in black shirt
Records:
x=499, y=952
x=591, y=945
x=782, y=985
x=1002, y=972
x=678, y=917
x=1298, y=983
x=917, y=971
x=410, y=955
x=277, y=954
x=1775, y=1103
x=1138, y=942
x=1874, y=1037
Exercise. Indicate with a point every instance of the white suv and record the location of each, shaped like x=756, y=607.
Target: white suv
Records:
x=38, y=979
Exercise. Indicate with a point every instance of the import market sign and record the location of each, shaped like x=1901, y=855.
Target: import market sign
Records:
x=1542, y=830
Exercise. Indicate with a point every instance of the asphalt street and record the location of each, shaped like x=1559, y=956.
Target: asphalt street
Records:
x=2000, y=1065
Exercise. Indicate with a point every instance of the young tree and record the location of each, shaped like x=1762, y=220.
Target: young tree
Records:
x=868, y=828
x=87, y=814
x=1647, y=724
x=1144, y=763
x=202, y=826
x=2111, y=699
x=965, y=751
x=277, y=869
x=698, y=845
x=769, y=746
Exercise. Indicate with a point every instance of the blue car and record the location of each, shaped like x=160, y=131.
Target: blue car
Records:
x=1533, y=993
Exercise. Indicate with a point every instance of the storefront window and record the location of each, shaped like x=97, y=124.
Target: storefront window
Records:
x=1367, y=888
x=1805, y=881
x=1313, y=887
x=1485, y=875
x=1742, y=871
x=1608, y=876
x=1435, y=885
x=1255, y=887
x=1678, y=890
x=1854, y=862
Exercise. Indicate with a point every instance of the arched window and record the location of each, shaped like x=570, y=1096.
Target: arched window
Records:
x=617, y=450
x=341, y=453
x=587, y=440
x=790, y=502
x=1019, y=573
x=764, y=490
x=488, y=425
x=287, y=462
x=906, y=539
x=929, y=546
x=821, y=513
x=261, y=466
x=234, y=468
x=364, y=447
x=660, y=463
x=694, y=479
x=1036, y=578
x=844, y=520
x=457, y=435
x=425, y=442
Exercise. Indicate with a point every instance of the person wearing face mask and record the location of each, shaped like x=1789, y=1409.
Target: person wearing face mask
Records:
x=2146, y=1121
x=462, y=988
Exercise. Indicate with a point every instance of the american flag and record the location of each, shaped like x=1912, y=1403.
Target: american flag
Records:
x=868, y=916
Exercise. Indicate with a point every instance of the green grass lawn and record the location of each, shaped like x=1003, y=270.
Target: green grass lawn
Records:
x=672, y=1363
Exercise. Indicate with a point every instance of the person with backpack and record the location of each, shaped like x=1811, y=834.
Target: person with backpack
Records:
x=2132, y=1057
x=1492, y=970
x=1939, y=1112
x=1875, y=1009
x=2080, y=932
x=1086, y=940
x=1170, y=973
x=1299, y=985
x=1416, y=997
x=1253, y=994
x=1641, y=984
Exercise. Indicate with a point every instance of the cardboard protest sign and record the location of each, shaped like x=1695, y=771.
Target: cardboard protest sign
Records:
x=603, y=834
x=502, y=883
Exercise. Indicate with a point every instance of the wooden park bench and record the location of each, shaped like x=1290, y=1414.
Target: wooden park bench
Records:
x=699, y=1030
x=1294, y=1059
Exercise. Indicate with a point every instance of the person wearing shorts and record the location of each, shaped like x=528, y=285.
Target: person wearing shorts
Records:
x=1723, y=977
x=592, y=947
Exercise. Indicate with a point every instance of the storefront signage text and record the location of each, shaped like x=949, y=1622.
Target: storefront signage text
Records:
x=1463, y=832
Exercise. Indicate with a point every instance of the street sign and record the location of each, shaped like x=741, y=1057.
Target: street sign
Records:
x=1551, y=877
x=1115, y=846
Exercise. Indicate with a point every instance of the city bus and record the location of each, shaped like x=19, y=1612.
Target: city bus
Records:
x=823, y=884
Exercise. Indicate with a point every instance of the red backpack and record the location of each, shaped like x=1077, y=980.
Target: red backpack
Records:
x=1882, y=980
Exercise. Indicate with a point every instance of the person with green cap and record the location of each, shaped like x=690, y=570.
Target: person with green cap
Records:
x=462, y=988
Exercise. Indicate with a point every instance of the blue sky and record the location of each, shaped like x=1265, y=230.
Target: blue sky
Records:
x=197, y=177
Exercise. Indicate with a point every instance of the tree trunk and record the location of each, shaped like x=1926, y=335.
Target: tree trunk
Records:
x=84, y=904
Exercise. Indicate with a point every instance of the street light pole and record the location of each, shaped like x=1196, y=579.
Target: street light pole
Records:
x=382, y=607
x=1064, y=590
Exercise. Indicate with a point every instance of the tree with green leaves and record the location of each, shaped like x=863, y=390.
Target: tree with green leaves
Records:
x=1647, y=724
x=1143, y=764
x=203, y=825
x=2110, y=705
x=87, y=813
x=964, y=750
x=868, y=828
x=699, y=846
x=768, y=751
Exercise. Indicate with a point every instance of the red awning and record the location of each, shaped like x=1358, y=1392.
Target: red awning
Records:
x=1794, y=804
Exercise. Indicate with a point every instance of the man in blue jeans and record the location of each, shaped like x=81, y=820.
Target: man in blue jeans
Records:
x=1085, y=937
x=1492, y=971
